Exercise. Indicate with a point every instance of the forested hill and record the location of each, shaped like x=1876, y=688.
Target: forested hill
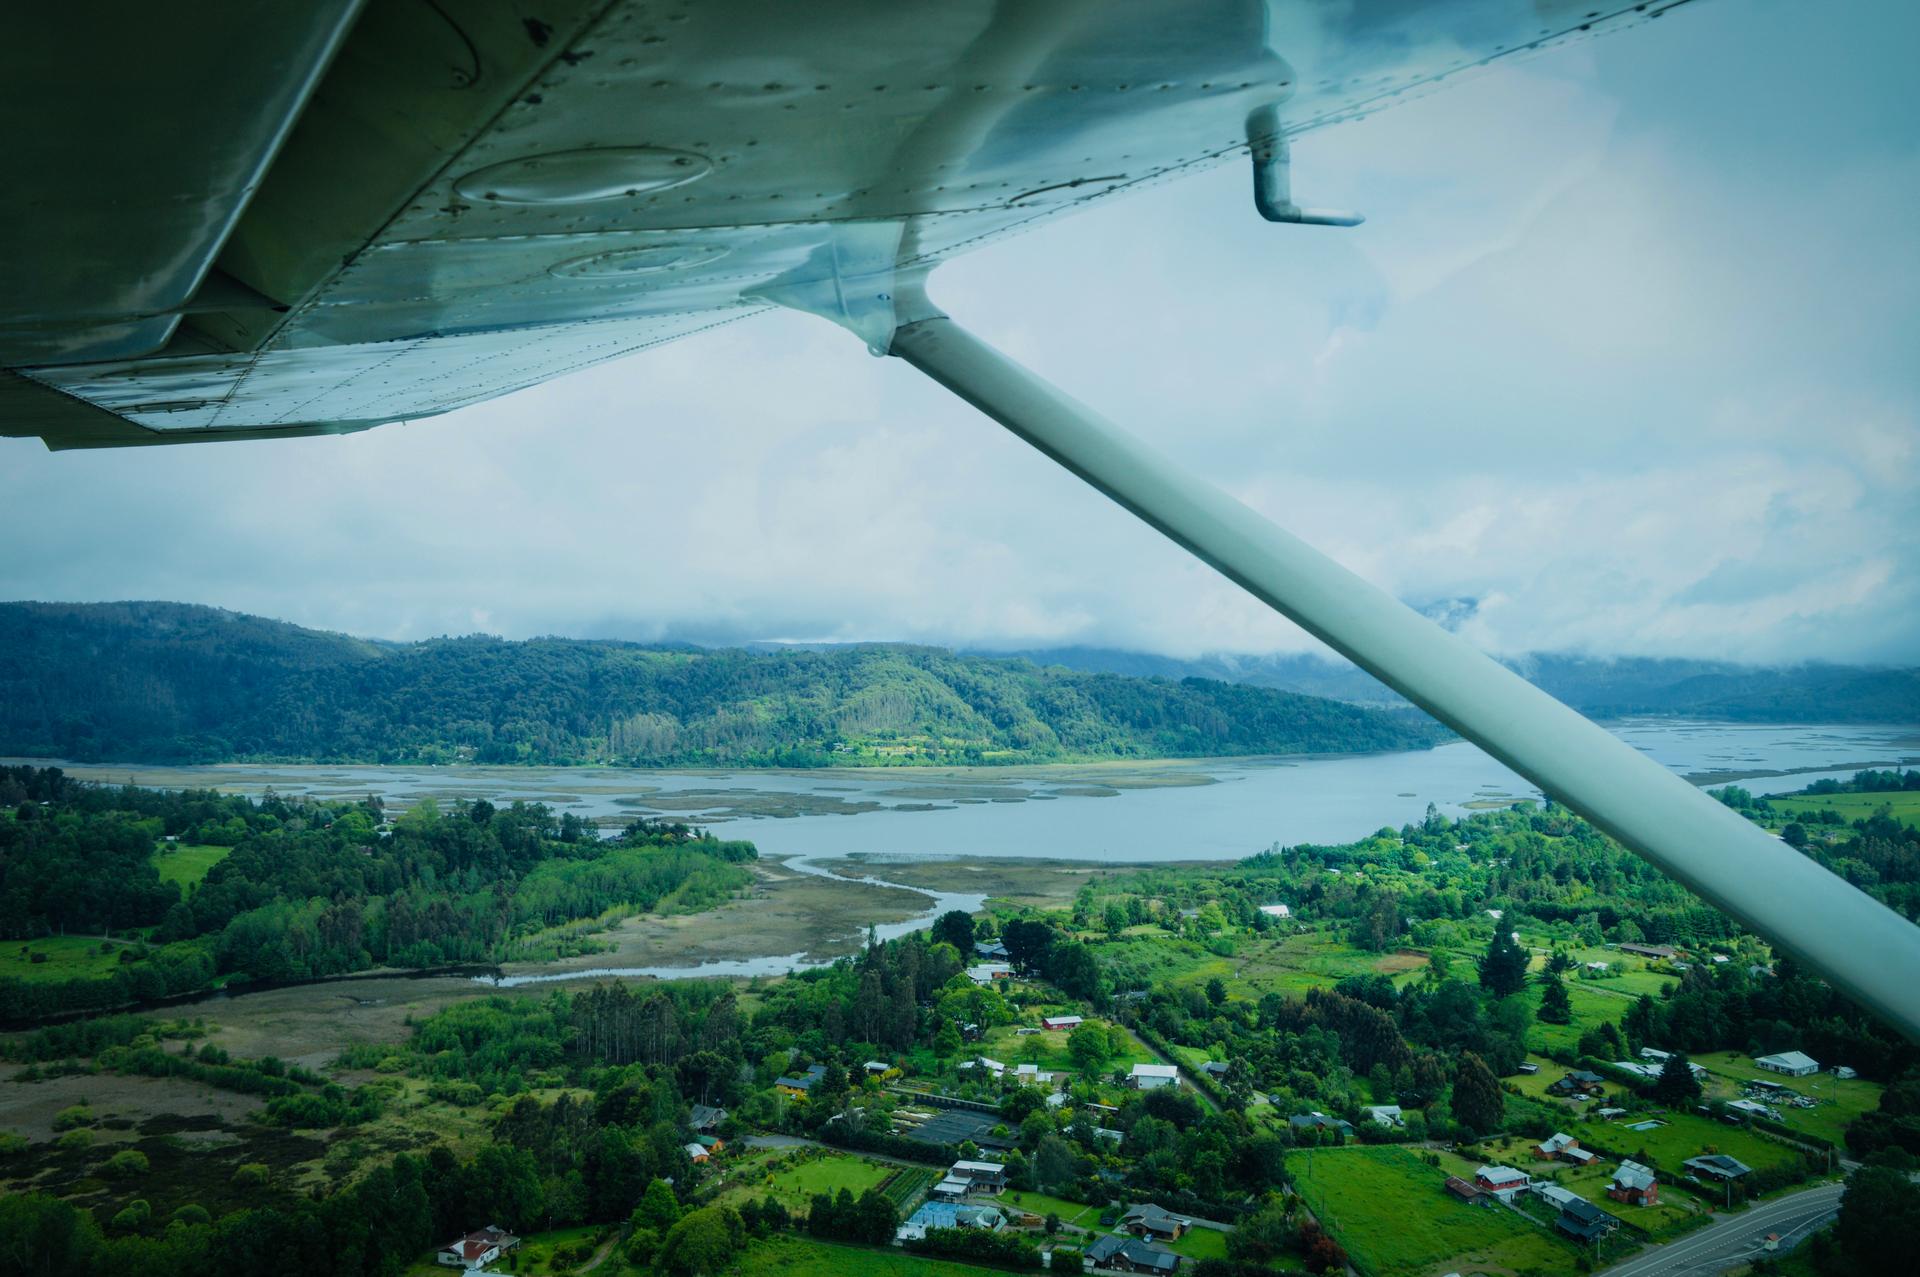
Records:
x=166, y=682
x=1601, y=687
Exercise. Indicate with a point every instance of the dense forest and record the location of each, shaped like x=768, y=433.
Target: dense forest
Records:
x=161, y=682
x=309, y=890
x=1603, y=687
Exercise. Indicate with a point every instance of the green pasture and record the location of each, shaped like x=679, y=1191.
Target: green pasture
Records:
x=185, y=864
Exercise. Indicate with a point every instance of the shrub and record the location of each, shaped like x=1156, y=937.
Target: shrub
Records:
x=250, y=1175
x=128, y=1161
x=68, y=1118
x=133, y=1216
x=192, y=1213
x=75, y=1139
x=12, y=1142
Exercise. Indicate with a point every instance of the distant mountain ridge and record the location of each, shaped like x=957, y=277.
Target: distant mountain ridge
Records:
x=170, y=682
x=1601, y=687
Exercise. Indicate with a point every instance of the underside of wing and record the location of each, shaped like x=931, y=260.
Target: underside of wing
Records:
x=242, y=221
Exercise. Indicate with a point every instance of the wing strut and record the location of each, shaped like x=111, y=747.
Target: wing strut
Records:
x=1863, y=947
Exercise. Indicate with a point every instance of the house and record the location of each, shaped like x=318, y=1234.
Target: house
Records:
x=1552, y=1193
x=1599, y=968
x=1749, y=1108
x=877, y=1068
x=1635, y=1184
x=992, y=949
x=1129, y=1255
x=1791, y=1063
x=1310, y=1121
x=1384, y=1114
x=705, y=1118
x=477, y=1249
x=696, y=1153
x=1585, y=1222
x=949, y=1215
x=1718, y=1166
x=1471, y=1194
x=952, y=1188
x=1030, y=1075
x=1109, y=1134
x=1659, y=952
x=1215, y=1069
x=1503, y=1182
x=1565, y=1148
x=1276, y=911
x=1581, y=1082
x=991, y=1065
x=988, y=972
x=981, y=1177
x=1608, y=1114
x=1527, y=1068
x=1057, y=1022
x=799, y=1087
x=1147, y=1076
x=1145, y=1219
x=1842, y=1072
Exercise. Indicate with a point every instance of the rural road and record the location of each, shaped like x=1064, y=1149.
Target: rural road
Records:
x=1734, y=1238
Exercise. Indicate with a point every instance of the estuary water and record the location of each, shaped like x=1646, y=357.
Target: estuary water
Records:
x=1206, y=809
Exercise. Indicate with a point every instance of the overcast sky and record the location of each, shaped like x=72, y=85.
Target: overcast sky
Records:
x=1628, y=353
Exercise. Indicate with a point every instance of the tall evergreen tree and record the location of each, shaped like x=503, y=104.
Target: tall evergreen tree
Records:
x=1676, y=1087
x=1555, y=1006
x=1504, y=968
x=1477, y=1102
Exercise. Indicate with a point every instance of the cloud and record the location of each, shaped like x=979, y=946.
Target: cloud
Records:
x=1617, y=354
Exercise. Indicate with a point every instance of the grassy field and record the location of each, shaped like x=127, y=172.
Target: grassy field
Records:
x=1592, y=1001
x=1042, y=1205
x=794, y=1184
x=1684, y=1135
x=186, y=864
x=67, y=958
x=805, y=1257
x=1392, y=1214
x=1292, y=963
x=1903, y=806
x=1840, y=1101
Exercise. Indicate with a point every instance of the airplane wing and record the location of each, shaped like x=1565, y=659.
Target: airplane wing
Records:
x=236, y=220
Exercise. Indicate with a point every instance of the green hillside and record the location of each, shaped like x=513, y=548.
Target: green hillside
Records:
x=166, y=682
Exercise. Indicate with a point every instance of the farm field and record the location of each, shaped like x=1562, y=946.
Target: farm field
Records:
x=1593, y=1003
x=185, y=864
x=1392, y=1214
x=1903, y=807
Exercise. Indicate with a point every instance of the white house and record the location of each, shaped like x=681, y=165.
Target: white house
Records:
x=1384, y=1114
x=988, y=972
x=1276, y=911
x=477, y=1249
x=1147, y=1076
x=1842, y=1072
x=1791, y=1063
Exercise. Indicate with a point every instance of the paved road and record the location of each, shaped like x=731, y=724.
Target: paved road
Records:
x=1731, y=1239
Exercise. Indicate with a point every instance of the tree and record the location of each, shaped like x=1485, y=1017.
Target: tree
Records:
x=704, y=1241
x=1503, y=970
x=658, y=1208
x=1555, y=1006
x=1676, y=1087
x=1477, y=1102
x=1217, y=991
x=954, y=927
x=1795, y=834
x=1026, y=940
x=1263, y=1236
x=1879, y=1218
x=1087, y=1047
